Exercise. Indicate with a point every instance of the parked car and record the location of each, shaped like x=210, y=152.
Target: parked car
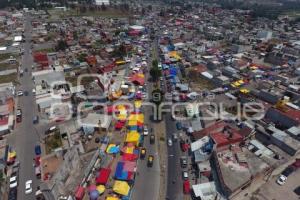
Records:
x=288, y=171
x=20, y=93
x=183, y=161
x=170, y=143
x=35, y=119
x=143, y=153
x=185, y=175
x=175, y=137
x=297, y=190
x=28, y=187
x=12, y=194
x=184, y=146
x=150, y=161
x=13, y=181
x=178, y=125
x=281, y=180
x=186, y=187
x=146, y=132
x=152, y=139
x=19, y=115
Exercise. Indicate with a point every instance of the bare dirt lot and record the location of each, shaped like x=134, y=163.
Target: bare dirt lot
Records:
x=273, y=191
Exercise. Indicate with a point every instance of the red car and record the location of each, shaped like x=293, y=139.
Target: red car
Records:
x=184, y=146
x=186, y=187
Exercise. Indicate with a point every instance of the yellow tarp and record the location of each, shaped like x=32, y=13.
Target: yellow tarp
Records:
x=132, y=123
x=138, y=117
x=244, y=90
x=129, y=150
x=109, y=146
x=133, y=137
x=174, y=54
x=137, y=104
x=101, y=188
x=122, y=117
x=133, y=132
x=112, y=198
x=12, y=154
x=121, y=187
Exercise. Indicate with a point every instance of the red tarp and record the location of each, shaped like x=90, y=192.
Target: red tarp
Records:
x=79, y=194
x=103, y=176
x=119, y=125
x=296, y=163
x=186, y=187
x=129, y=157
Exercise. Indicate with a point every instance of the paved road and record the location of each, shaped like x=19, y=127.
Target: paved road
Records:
x=174, y=189
x=25, y=136
x=148, y=181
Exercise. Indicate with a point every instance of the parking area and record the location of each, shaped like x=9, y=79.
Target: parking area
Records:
x=273, y=191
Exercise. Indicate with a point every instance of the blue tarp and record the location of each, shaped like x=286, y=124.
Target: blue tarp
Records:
x=119, y=169
x=120, y=174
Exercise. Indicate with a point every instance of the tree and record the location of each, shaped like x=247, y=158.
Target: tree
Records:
x=155, y=63
x=61, y=45
x=155, y=73
x=157, y=98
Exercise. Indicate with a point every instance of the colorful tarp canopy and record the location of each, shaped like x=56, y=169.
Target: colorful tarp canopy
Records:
x=101, y=189
x=112, y=148
x=92, y=188
x=112, y=198
x=132, y=137
x=103, y=176
x=121, y=187
x=94, y=195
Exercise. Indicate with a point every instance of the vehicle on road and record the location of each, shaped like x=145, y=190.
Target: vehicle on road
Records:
x=152, y=139
x=20, y=93
x=35, y=119
x=143, y=153
x=175, y=137
x=297, y=190
x=178, y=125
x=281, y=180
x=28, y=187
x=183, y=161
x=51, y=130
x=12, y=194
x=185, y=175
x=184, y=146
x=150, y=161
x=186, y=187
x=26, y=93
x=13, y=180
x=19, y=115
x=33, y=91
x=146, y=132
x=288, y=171
x=37, y=171
x=170, y=143
x=37, y=150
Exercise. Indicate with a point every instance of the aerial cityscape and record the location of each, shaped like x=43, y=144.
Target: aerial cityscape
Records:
x=149, y=100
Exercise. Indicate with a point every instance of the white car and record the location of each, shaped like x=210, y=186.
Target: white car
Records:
x=13, y=182
x=28, y=187
x=185, y=175
x=170, y=143
x=281, y=180
x=20, y=93
x=146, y=132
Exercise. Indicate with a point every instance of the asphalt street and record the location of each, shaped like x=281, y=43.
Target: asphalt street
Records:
x=147, y=181
x=26, y=136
